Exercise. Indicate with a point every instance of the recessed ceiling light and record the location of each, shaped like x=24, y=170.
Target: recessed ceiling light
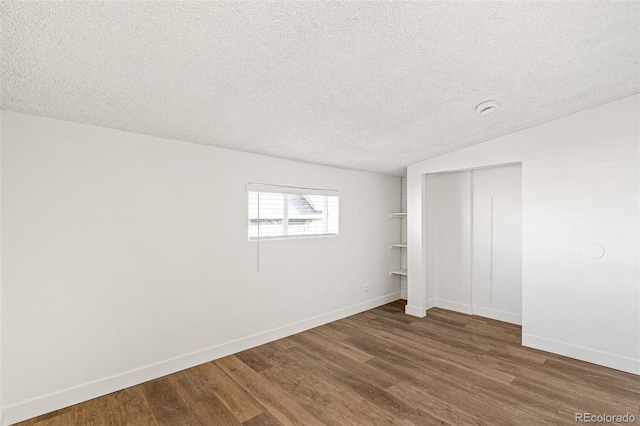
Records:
x=487, y=107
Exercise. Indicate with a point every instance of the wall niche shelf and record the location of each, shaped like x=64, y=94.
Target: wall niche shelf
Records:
x=401, y=243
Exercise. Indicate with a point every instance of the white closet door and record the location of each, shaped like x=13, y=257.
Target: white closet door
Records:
x=497, y=243
x=449, y=232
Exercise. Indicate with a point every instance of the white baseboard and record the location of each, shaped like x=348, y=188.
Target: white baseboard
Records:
x=464, y=308
x=431, y=303
x=66, y=397
x=498, y=315
x=415, y=311
x=606, y=359
x=453, y=306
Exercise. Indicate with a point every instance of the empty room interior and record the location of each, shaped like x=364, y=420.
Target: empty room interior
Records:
x=319, y=213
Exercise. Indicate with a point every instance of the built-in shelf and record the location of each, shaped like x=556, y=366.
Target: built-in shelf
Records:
x=402, y=246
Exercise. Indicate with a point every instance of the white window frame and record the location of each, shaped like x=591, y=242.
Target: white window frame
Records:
x=261, y=188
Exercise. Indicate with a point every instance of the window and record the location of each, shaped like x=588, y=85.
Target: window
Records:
x=289, y=212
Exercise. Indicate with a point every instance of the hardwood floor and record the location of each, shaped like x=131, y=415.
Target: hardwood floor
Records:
x=380, y=367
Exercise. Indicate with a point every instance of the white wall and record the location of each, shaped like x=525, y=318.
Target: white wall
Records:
x=125, y=257
x=1, y=398
x=580, y=185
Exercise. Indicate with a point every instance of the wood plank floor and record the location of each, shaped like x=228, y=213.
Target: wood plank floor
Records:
x=380, y=367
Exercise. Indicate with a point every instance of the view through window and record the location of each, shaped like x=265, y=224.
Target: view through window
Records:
x=284, y=215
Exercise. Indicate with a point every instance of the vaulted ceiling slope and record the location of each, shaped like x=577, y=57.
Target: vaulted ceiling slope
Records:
x=369, y=86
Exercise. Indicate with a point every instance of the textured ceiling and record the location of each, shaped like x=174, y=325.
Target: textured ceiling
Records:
x=362, y=85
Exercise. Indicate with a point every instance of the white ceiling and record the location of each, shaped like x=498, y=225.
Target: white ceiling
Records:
x=362, y=85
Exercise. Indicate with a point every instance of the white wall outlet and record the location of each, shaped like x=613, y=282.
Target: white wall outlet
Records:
x=366, y=286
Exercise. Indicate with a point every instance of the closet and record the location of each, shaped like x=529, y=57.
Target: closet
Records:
x=474, y=241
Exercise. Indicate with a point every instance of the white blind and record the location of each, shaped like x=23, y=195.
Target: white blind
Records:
x=291, y=212
x=284, y=189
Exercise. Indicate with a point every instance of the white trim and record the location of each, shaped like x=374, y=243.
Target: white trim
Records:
x=630, y=365
x=416, y=283
x=66, y=397
x=464, y=308
x=431, y=303
x=453, y=306
x=291, y=237
x=472, y=231
x=496, y=314
x=415, y=311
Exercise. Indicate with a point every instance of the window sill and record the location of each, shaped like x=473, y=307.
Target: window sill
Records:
x=292, y=237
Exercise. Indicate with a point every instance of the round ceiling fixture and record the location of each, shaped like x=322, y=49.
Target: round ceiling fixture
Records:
x=487, y=107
